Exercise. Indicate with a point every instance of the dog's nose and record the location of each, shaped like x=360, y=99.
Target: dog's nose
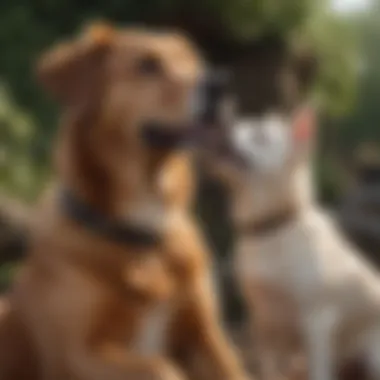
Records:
x=217, y=82
x=213, y=90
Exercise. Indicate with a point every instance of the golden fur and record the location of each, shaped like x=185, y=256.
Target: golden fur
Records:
x=78, y=306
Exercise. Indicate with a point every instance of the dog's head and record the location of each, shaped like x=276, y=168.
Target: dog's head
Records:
x=274, y=143
x=260, y=149
x=127, y=97
x=139, y=76
x=266, y=160
x=267, y=113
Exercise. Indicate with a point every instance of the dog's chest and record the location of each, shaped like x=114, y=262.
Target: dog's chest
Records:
x=310, y=263
x=150, y=282
x=152, y=332
x=292, y=260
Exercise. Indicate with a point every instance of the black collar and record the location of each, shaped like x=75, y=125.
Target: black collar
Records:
x=267, y=225
x=116, y=230
x=159, y=136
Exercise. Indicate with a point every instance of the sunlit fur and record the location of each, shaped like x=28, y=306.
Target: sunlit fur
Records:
x=265, y=142
x=84, y=307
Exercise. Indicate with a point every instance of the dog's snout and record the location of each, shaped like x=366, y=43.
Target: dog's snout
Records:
x=217, y=82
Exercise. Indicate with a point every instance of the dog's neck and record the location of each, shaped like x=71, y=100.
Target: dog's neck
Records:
x=302, y=187
x=121, y=231
x=260, y=207
x=125, y=191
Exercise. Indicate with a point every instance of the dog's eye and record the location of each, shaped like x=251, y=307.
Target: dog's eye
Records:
x=149, y=65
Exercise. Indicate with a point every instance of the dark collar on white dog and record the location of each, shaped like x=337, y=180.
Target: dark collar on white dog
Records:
x=119, y=231
x=267, y=225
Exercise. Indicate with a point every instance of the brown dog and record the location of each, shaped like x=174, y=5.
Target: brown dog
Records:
x=117, y=284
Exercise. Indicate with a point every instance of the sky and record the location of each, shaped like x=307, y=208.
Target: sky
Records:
x=349, y=5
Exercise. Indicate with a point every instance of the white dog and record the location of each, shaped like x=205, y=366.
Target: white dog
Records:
x=306, y=287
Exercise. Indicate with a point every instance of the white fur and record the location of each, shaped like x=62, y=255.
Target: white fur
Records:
x=264, y=142
x=319, y=336
x=310, y=262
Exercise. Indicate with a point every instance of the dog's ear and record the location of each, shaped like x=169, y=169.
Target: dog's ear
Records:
x=306, y=67
x=68, y=68
x=304, y=124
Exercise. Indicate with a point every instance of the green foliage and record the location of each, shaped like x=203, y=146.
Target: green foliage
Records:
x=21, y=168
x=248, y=19
x=330, y=179
x=334, y=41
x=362, y=121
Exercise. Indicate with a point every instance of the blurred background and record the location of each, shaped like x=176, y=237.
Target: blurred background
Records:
x=252, y=38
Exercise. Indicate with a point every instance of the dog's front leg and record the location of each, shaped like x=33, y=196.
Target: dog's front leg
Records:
x=319, y=333
x=113, y=362
x=373, y=354
x=199, y=343
x=268, y=352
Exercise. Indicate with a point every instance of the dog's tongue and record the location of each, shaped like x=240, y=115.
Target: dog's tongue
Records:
x=215, y=143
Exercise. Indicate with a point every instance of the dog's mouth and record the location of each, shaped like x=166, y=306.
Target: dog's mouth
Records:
x=207, y=107
x=157, y=135
x=261, y=144
x=217, y=146
x=212, y=136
